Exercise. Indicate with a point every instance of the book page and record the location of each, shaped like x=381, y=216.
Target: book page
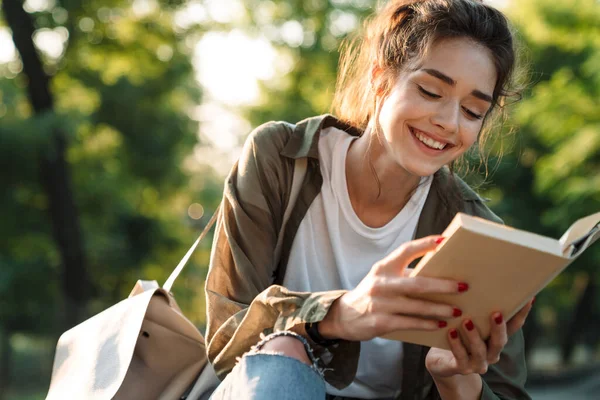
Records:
x=580, y=228
x=586, y=241
x=511, y=235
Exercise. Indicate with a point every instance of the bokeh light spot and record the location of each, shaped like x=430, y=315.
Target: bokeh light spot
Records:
x=195, y=211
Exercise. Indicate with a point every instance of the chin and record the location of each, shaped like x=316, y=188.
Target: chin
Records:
x=423, y=170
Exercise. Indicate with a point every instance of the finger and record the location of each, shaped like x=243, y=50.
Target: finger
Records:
x=459, y=350
x=399, y=259
x=418, y=285
x=498, y=338
x=475, y=346
x=414, y=307
x=385, y=323
x=517, y=321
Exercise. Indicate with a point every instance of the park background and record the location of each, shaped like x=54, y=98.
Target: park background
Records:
x=119, y=120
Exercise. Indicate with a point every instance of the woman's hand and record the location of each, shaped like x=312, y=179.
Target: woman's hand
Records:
x=381, y=302
x=473, y=355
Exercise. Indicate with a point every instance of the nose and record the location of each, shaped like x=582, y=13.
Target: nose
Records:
x=446, y=116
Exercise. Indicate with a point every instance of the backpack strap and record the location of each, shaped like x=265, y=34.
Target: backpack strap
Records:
x=297, y=179
x=169, y=282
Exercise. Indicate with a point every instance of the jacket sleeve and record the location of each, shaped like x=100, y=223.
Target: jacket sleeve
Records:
x=242, y=303
x=505, y=379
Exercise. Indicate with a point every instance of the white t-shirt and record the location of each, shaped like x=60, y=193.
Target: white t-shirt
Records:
x=333, y=249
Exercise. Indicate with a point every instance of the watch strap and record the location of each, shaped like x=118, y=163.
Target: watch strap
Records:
x=312, y=330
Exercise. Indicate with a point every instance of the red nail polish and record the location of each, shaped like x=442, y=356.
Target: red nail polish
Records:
x=469, y=325
x=457, y=312
x=463, y=287
x=439, y=240
x=498, y=319
x=442, y=324
x=453, y=333
x=533, y=301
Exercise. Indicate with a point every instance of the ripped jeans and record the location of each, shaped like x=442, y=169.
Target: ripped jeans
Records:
x=266, y=376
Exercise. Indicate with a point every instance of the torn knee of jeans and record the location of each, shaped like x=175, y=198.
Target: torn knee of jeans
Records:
x=258, y=348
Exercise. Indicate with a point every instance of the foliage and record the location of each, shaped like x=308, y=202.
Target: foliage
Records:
x=308, y=33
x=557, y=170
x=124, y=93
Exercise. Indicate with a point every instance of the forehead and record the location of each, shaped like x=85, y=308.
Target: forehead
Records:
x=470, y=64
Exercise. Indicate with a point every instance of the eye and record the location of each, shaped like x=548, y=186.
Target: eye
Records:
x=428, y=93
x=472, y=114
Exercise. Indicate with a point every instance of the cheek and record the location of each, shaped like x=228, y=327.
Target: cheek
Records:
x=470, y=135
x=394, y=114
x=387, y=120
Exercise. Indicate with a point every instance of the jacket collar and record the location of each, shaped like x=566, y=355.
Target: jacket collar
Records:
x=304, y=141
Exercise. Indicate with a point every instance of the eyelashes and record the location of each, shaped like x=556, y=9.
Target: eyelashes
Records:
x=472, y=114
x=434, y=96
x=428, y=93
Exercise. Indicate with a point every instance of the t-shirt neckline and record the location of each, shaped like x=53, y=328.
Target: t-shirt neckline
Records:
x=340, y=185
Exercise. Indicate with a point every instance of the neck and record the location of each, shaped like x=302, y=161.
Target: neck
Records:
x=377, y=185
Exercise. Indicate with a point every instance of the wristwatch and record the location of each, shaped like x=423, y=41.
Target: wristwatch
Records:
x=312, y=330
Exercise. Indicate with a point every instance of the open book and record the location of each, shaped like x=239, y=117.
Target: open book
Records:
x=504, y=267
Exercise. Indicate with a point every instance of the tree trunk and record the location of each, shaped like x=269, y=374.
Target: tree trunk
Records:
x=54, y=170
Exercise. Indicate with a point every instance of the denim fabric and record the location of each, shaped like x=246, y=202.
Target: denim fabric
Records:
x=269, y=375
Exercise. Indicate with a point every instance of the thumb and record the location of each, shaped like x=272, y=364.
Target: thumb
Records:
x=399, y=259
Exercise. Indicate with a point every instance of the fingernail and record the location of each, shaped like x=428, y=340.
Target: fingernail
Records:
x=439, y=240
x=453, y=333
x=457, y=312
x=498, y=319
x=533, y=301
x=442, y=324
x=469, y=325
x=463, y=287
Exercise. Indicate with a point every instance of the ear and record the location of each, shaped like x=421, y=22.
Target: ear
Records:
x=376, y=72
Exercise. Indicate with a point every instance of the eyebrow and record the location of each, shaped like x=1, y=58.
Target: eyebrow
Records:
x=446, y=79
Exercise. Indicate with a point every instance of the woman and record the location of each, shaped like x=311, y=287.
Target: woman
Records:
x=411, y=100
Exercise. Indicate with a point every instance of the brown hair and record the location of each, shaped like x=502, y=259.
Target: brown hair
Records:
x=400, y=35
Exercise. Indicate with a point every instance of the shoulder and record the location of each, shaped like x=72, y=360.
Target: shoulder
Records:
x=274, y=145
x=455, y=195
x=474, y=204
x=261, y=155
x=270, y=137
x=260, y=173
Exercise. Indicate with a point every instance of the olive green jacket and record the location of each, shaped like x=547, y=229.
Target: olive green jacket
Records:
x=242, y=299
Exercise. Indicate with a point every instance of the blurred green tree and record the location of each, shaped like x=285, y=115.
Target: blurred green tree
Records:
x=119, y=111
x=307, y=35
x=555, y=174
x=54, y=172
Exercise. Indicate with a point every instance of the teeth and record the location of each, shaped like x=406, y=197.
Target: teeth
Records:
x=429, y=142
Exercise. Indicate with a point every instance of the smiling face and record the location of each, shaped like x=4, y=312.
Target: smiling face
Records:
x=435, y=112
